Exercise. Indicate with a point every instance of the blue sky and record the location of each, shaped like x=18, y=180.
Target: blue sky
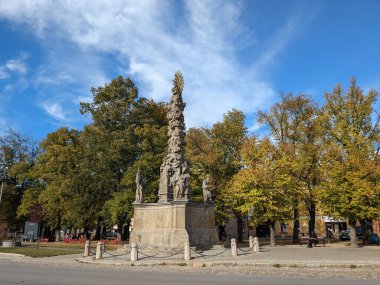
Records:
x=233, y=54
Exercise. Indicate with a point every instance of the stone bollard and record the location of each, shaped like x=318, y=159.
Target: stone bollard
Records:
x=256, y=247
x=233, y=247
x=99, y=250
x=87, y=248
x=187, y=253
x=250, y=242
x=134, y=252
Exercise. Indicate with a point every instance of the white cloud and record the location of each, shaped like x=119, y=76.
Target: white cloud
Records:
x=151, y=40
x=14, y=67
x=55, y=110
x=13, y=72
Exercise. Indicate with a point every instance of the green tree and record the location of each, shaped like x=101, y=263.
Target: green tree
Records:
x=17, y=156
x=215, y=151
x=54, y=169
x=351, y=187
x=295, y=124
x=150, y=146
x=259, y=189
x=131, y=134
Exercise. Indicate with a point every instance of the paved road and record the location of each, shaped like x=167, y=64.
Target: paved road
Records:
x=34, y=273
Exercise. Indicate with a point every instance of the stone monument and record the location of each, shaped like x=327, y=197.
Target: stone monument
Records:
x=139, y=195
x=174, y=219
x=175, y=174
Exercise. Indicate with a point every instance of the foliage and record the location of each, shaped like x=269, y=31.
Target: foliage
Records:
x=215, y=151
x=295, y=124
x=17, y=156
x=313, y=157
x=259, y=190
x=131, y=134
x=351, y=166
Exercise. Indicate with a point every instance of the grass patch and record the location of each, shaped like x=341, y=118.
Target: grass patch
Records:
x=276, y=265
x=41, y=252
x=182, y=264
x=67, y=245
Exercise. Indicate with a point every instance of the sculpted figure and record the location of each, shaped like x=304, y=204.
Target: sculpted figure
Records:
x=139, y=195
x=207, y=198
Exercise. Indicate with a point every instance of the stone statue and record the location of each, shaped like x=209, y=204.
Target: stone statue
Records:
x=207, y=198
x=139, y=195
x=175, y=173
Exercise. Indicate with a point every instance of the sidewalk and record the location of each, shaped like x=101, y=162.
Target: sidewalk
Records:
x=280, y=256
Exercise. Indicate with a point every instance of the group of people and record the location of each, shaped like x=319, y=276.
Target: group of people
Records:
x=77, y=235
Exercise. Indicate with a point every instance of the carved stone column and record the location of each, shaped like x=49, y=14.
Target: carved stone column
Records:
x=175, y=173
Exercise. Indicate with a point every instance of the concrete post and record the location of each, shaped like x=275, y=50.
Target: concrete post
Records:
x=99, y=250
x=256, y=247
x=250, y=242
x=87, y=248
x=187, y=253
x=134, y=252
x=233, y=247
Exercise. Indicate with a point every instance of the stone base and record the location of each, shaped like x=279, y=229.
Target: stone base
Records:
x=169, y=226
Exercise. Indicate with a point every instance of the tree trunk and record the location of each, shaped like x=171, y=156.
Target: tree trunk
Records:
x=311, y=209
x=296, y=226
x=272, y=237
x=364, y=223
x=43, y=230
x=240, y=230
x=85, y=232
x=353, y=239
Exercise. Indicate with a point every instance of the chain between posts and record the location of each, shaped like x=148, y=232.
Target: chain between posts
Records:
x=159, y=256
x=107, y=250
x=208, y=255
x=245, y=250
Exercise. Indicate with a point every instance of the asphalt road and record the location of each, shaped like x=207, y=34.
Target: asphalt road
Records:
x=34, y=273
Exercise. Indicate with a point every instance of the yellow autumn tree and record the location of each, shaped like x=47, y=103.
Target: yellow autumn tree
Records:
x=351, y=181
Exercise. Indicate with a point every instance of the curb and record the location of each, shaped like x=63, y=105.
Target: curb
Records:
x=200, y=264
x=10, y=256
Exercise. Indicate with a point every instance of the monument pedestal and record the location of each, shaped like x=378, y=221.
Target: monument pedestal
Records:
x=170, y=225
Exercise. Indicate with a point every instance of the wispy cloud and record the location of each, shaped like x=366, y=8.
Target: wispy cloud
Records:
x=55, y=110
x=13, y=76
x=15, y=66
x=150, y=40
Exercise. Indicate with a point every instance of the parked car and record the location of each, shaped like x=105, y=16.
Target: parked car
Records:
x=108, y=235
x=374, y=239
x=345, y=234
